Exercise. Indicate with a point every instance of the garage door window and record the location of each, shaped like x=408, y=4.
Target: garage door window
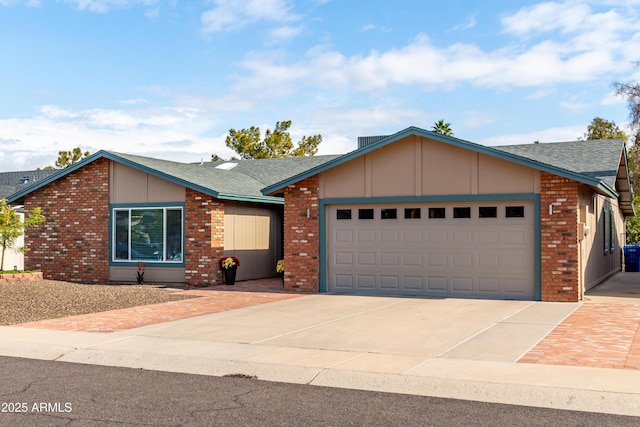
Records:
x=462, y=212
x=487, y=212
x=514, y=211
x=412, y=213
x=389, y=213
x=365, y=213
x=343, y=214
x=436, y=213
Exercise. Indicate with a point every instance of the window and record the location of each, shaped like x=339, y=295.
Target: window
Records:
x=412, y=213
x=389, y=214
x=488, y=212
x=612, y=227
x=462, y=212
x=365, y=213
x=343, y=214
x=147, y=234
x=435, y=213
x=514, y=211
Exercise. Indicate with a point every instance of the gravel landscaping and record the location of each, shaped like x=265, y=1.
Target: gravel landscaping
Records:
x=28, y=301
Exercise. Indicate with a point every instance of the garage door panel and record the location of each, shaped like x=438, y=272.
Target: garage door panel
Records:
x=462, y=284
x=412, y=283
x=391, y=259
x=412, y=259
x=389, y=236
x=343, y=236
x=389, y=282
x=463, y=257
x=437, y=259
x=366, y=258
x=365, y=281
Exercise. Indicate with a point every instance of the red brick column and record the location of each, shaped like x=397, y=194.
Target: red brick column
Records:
x=204, y=239
x=73, y=243
x=559, y=239
x=301, y=244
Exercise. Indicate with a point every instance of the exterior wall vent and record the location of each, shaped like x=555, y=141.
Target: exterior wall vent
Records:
x=363, y=141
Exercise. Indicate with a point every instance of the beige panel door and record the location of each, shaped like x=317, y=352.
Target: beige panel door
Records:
x=479, y=249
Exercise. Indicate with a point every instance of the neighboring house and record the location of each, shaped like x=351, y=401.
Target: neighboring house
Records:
x=11, y=182
x=414, y=213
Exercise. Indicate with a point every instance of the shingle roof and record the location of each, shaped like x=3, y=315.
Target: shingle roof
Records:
x=594, y=158
x=11, y=182
x=243, y=182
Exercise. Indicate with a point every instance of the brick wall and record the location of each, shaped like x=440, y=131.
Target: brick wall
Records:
x=73, y=243
x=204, y=237
x=301, y=236
x=559, y=239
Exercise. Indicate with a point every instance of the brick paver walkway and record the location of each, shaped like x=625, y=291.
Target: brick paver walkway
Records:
x=211, y=300
x=595, y=335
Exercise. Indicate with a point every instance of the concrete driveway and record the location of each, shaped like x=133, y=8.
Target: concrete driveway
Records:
x=382, y=334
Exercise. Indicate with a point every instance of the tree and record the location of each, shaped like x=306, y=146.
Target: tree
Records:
x=67, y=158
x=12, y=227
x=276, y=143
x=600, y=128
x=631, y=92
x=443, y=128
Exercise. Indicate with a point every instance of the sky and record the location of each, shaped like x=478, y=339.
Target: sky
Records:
x=169, y=78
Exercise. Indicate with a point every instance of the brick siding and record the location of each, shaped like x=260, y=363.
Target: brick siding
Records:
x=204, y=236
x=73, y=243
x=559, y=239
x=301, y=244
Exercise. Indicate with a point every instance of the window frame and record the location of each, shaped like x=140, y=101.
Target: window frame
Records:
x=113, y=260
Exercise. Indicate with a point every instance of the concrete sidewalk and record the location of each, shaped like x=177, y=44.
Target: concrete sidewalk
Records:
x=456, y=348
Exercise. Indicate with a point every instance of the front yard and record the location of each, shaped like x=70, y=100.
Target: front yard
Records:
x=29, y=301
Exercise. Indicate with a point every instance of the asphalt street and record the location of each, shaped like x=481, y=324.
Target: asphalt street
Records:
x=39, y=393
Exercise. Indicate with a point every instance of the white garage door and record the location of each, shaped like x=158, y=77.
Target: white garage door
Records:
x=479, y=249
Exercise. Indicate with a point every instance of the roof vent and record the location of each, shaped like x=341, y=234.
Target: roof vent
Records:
x=363, y=141
x=24, y=180
x=227, y=166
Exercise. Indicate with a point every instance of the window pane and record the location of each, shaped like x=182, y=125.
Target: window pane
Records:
x=174, y=235
x=122, y=235
x=389, y=213
x=343, y=214
x=514, y=211
x=436, y=212
x=488, y=212
x=365, y=213
x=462, y=212
x=412, y=213
x=147, y=234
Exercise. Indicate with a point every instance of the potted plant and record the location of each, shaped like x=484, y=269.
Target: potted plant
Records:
x=280, y=270
x=229, y=265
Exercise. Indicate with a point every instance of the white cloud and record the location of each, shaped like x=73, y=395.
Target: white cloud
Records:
x=284, y=33
x=102, y=6
x=229, y=15
x=171, y=133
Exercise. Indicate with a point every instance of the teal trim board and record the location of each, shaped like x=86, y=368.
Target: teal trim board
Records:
x=322, y=224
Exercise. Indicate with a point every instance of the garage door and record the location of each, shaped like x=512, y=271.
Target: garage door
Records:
x=480, y=249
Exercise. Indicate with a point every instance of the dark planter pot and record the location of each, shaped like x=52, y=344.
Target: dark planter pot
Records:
x=229, y=275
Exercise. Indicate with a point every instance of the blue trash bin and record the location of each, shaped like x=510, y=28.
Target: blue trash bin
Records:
x=632, y=258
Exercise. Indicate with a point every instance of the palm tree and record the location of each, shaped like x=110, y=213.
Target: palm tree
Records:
x=443, y=128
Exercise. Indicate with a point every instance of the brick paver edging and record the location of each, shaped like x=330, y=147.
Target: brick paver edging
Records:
x=595, y=335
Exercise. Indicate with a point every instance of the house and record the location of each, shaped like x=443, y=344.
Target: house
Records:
x=413, y=213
